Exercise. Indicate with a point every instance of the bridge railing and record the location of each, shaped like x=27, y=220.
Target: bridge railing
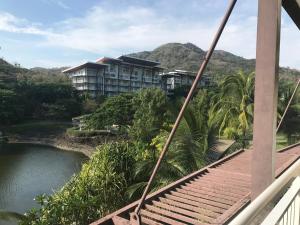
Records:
x=285, y=208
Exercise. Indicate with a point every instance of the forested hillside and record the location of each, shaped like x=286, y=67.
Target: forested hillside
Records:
x=188, y=57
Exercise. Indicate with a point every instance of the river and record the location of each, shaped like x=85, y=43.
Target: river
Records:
x=27, y=170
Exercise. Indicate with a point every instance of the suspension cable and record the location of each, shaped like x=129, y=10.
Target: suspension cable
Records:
x=288, y=105
x=181, y=113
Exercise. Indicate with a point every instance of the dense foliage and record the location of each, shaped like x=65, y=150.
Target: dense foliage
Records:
x=117, y=173
x=26, y=95
x=117, y=110
x=98, y=189
x=151, y=107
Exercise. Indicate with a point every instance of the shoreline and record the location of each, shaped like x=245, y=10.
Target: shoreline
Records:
x=59, y=144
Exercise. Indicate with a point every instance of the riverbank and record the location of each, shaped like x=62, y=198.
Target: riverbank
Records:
x=57, y=143
x=51, y=133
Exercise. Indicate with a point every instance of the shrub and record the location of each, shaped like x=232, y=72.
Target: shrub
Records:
x=97, y=190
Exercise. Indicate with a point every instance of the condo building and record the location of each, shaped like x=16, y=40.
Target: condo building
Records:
x=179, y=78
x=110, y=76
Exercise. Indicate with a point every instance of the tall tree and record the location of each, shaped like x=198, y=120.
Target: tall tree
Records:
x=117, y=110
x=150, y=114
x=188, y=150
x=234, y=105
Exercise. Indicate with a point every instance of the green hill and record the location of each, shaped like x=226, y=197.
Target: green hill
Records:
x=189, y=56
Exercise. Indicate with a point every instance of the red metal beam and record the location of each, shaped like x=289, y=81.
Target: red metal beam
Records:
x=266, y=94
x=292, y=7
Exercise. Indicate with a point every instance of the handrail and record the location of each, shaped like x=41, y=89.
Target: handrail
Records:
x=284, y=204
x=248, y=214
x=186, y=102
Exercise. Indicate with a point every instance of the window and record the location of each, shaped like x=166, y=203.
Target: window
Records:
x=126, y=70
x=112, y=68
x=148, y=72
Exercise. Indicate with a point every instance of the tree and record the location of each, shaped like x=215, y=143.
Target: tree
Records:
x=187, y=152
x=117, y=110
x=234, y=105
x=11, y=109
x=97, y=190
x=150, y=114
x=291, y=121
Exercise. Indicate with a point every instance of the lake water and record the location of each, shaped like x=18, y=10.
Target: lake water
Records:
x=28, y=170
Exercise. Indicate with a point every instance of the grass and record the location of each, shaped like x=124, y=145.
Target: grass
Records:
x=281, y=141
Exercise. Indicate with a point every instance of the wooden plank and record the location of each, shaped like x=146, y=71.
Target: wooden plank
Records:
x=205, y=196
x=146, y=220
x=194, y=203
x=120, y=221
x=188, y=213
x=195, y=209
x=160, y=218
x=210, y=193
x=176, y=216
x=204, y=201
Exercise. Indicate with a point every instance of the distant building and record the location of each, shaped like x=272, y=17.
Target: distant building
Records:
x=181, y=78
x=110, y=76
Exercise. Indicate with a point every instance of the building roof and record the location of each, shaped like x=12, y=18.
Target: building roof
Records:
x=138, y=61
x=87, y=64
x=178, y=73
x=292, y=7
x=107, y=60
x=212, y=195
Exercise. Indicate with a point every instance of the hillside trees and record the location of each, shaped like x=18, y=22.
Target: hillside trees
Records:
x=118, y=110
x=10, y=108
x=150, y=114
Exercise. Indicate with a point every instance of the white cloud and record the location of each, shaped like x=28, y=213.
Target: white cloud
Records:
x=114, y=31
x=10, y=23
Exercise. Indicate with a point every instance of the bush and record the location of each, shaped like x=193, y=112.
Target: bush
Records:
x=96, y=191
x=117, y=110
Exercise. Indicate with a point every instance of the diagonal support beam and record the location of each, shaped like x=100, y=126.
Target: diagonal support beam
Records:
x=266, y=94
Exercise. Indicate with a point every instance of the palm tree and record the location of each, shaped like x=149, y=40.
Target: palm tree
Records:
x=291, y=121
x=234, y=105
x=187, y=153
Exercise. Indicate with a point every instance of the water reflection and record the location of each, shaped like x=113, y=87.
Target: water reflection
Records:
x=28, y=170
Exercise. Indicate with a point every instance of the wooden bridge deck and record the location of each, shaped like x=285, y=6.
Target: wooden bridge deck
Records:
x=211, y=195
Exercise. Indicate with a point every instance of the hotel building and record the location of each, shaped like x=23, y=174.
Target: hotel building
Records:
x=109, y=76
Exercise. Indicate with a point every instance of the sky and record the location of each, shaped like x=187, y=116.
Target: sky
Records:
x=55, y=33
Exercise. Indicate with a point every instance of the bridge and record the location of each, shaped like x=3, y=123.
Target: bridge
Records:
x=219, y=192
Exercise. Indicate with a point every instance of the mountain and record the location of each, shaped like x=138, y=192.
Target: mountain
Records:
x=189, y=56
x=49, y=71
x=9, y=74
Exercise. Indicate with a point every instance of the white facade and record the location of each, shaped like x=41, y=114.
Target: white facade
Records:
x=181, y=78
x=110, y=76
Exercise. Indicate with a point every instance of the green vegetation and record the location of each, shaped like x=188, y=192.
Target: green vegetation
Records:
x=98, y=189
x=188, y=57
x=235, y=105
x=44, y=129
x=115, y=110
x=27, y=95
x=117, y=173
